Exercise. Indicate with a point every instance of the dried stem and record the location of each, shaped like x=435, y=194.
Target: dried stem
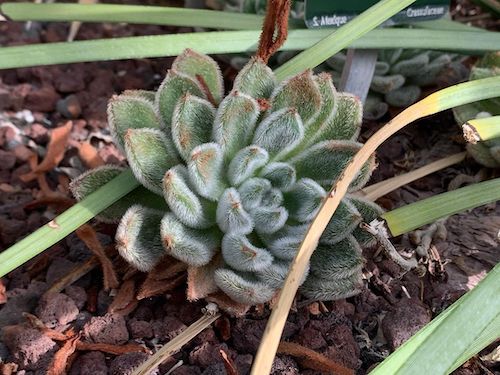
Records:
x=275, y=28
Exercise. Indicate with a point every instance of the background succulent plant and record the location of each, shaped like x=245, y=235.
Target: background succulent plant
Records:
x=487, y=152
x=230, y=184
x=399, y=76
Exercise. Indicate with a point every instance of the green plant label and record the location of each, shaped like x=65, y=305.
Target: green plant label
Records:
x=335, y=13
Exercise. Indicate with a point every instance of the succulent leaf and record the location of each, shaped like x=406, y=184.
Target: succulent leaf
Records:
x=235, y=122
x=325, y=161
x=338, y=261
x=280, y=132
x=231, y=216
x=90, y=181
x=304, y=199
x=284, y=243
x=345, y=124
x=191, y=124
x=245, y=163
x=205, y=169
x=385, y=84
x=174, y=87
x=281, y=175
x=190, y=209
x=411, y=66
x=343, y=222
x=243, y=289
x=252, y=191
x=193, y=246
x=202, y=69
x=404, y=96
x=150, y=154
x=128, y=111
x=321, y=289
x=256, y=79
x=242, y=255
x=300, y=92
x=138, y=237
x=269, y=219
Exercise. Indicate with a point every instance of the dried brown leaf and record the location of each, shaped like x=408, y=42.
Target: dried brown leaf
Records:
x=200, y=282
x=312, y=359
x=152, y=287
x=223, y=326
x=49, y=332
x=112, y=349
x=228, y=363
x=60, y=360
x=89, y=155
x=167, y=268
x=88, y=235
x=3, y=292
x=124, y=301
x=55, y=152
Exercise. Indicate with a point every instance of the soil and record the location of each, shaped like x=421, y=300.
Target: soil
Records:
x=357, y=333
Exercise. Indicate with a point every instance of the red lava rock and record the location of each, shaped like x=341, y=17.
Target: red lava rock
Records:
x=39, y=133
x=140, y=329
x=43, y=99
x=143, y=313
x=77, y=294
x=124, y=364
x=243, y=363
x=408, y=316
x=5, y=99
x=216, y=369
x=247, y=334
x=69, y=107
x=208, y=354
x=284, y=365
x=311, y=338
x=7, y=159
x=22, y=153
x=11, y=230
x=168, y=328
x=58, y=268
x=70, y=80
x=108, y=329
x=91, y=363
x=344, y=349
x=56, y=309
x=18, y=95
x=31, y=349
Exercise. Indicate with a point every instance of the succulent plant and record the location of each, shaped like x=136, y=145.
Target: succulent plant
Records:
x=399, y=76
x=229, y=185
x=486, y=153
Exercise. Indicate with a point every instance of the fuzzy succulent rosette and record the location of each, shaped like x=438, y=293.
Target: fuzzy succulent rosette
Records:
x=229, y=185
x=486, y=153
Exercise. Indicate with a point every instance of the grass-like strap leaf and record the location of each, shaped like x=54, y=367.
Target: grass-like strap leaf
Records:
x=139, y=14
x=413, y=216
x=67, y=222
x=482, y=129
x=237, y=42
